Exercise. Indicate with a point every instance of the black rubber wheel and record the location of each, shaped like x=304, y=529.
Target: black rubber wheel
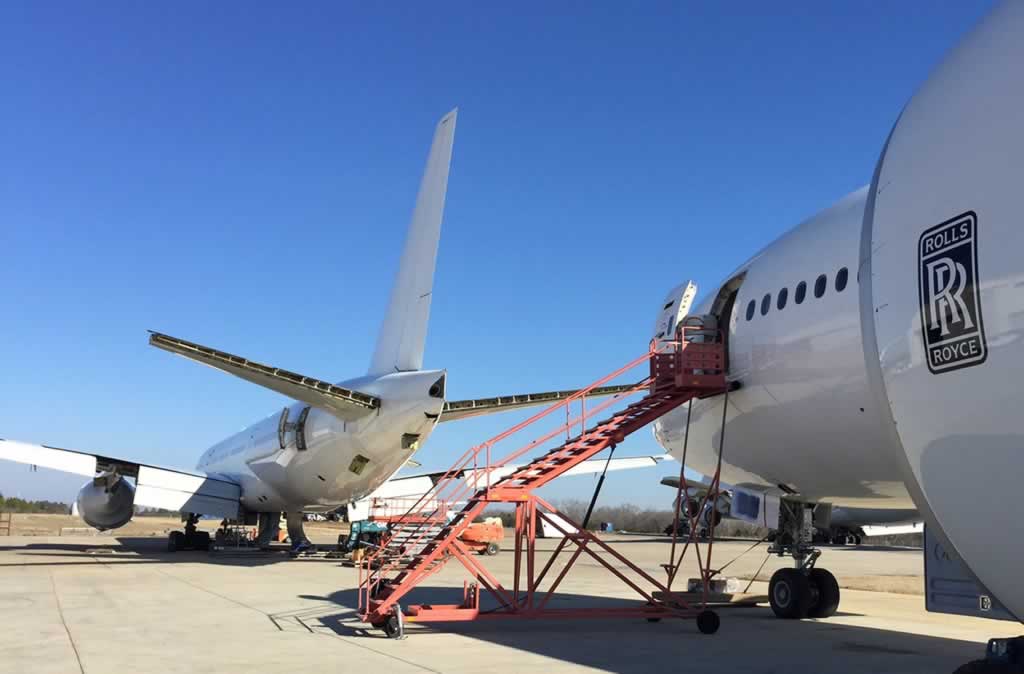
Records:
x=176, y=541
x=790, y=594
x=201, y=540
x=654, y=620
x=378, y=624
x=828, y=594
x=708, y=621
x=492, y=549
x=391, y=627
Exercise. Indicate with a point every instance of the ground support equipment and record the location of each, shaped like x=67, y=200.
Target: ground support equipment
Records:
x=428, y=535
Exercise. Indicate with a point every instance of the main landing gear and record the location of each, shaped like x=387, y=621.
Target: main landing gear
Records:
x=191, y=538
x=803, y=591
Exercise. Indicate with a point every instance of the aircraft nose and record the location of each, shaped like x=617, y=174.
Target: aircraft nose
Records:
x=942, y=295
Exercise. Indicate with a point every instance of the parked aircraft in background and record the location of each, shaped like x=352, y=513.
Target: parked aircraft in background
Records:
x=337, y=443
x=845, y=525
x=876, y=345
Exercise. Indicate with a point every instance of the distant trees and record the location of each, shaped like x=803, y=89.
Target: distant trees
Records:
x=155, y=512
x=18, y=505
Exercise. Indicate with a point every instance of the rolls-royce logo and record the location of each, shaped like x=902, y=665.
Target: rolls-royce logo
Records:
x=951, y=323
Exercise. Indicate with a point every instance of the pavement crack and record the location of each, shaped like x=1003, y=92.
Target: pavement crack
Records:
x=60, y=612
x=215, y=594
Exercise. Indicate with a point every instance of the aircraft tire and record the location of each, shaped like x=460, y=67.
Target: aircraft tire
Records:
x=176, y=541
x=828, y=594
x=790, y=594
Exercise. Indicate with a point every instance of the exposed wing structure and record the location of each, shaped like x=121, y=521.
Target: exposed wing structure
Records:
x=344, y=403
x=155, y=487
x=464, y=409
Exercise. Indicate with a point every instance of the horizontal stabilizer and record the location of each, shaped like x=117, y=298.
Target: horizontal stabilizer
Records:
x=342, y=402
x=463, y=409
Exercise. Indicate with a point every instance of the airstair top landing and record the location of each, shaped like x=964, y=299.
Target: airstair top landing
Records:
x=422, y=540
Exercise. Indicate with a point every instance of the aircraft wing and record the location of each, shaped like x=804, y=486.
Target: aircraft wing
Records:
x=155, y=487
x=464, y=409
x=696, y=488
x=407, y=488
x=342, y=402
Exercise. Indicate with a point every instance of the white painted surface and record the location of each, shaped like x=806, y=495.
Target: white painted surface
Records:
x=958, y=147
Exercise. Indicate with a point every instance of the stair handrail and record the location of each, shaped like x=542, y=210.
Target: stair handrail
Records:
x=452, y=477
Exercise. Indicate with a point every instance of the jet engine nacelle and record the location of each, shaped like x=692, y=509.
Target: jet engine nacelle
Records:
x=942, y=305
x=106, y=502
x=711, y=516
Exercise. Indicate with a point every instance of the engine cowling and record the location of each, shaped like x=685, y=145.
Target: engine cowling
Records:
x=941, y=278
x=106, y=502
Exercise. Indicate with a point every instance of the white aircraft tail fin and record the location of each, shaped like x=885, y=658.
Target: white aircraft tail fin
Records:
x=404, y=330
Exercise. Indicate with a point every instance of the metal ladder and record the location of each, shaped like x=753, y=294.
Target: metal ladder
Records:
x=423, y=540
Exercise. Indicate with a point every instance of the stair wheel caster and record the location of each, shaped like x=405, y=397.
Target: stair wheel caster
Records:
x=708, y=621
x=394, y=626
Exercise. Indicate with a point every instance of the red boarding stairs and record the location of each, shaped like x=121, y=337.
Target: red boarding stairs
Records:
x=426, y=537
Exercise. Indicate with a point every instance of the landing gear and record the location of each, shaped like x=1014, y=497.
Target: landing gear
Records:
x=296, y=534
x=826, y=587
x=790, y=594
x=802, y=591
x=1002, y=656
x=191, y=538
x=844, y=536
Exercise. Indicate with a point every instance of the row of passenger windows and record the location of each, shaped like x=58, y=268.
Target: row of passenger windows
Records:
x=820, y=285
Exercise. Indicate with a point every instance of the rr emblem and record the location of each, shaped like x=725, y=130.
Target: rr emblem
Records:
x=951, y=323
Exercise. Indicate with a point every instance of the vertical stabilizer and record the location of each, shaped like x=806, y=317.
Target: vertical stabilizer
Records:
x=404, y=330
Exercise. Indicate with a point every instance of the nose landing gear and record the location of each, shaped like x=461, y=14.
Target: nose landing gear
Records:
x=803, y=591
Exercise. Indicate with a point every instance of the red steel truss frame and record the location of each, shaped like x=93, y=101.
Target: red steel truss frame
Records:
x=427, y=536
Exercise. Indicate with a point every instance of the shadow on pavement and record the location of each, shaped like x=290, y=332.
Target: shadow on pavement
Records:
x=750, y=639
x=144, y=550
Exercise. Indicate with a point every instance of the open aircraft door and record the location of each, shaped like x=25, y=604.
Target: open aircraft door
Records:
x=674, y=308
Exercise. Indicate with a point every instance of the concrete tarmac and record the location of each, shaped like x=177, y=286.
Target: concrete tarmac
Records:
x=134, y=607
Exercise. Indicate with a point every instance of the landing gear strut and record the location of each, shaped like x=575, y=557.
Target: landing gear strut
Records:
x=803, y=591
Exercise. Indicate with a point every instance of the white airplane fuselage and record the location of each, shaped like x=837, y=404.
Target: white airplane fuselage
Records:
x=904, y=386
x=342, y=460
x=803, y=417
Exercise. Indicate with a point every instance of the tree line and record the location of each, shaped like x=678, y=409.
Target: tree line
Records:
x=13, y=504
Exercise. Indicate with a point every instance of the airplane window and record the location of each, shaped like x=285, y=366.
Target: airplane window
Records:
x=841, y=278
x=766, y=302
x=781, y=302
x=819, y=285
x=801, y=292
x=750, y=309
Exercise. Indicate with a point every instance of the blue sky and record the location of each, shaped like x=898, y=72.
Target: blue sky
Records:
x=242, y=175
